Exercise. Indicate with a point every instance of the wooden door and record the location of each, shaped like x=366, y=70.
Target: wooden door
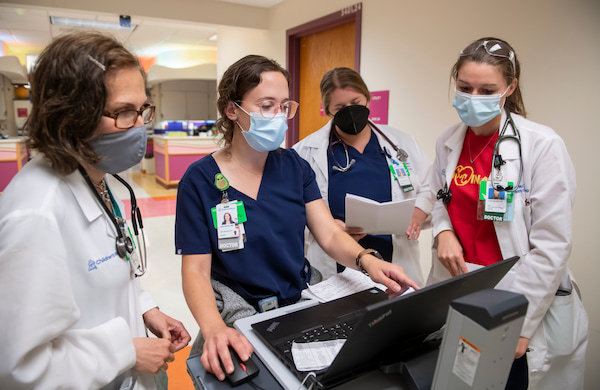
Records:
x=319, y=53
x=313, y=49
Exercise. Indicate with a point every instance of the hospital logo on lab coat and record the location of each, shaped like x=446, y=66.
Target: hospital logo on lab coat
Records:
x=93, y=264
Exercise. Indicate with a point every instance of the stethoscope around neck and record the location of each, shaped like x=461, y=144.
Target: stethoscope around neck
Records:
x=446, y=195
x=124, y=244
x=401, y=154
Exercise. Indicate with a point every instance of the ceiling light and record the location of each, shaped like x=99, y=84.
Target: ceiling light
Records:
x=96, y=24
x=213, y=37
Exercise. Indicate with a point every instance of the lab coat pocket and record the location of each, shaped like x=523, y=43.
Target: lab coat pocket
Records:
x=565, y=324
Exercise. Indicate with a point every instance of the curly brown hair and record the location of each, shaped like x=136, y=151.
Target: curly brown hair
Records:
x=476, y=53
x=241, y=77
x=68, y=95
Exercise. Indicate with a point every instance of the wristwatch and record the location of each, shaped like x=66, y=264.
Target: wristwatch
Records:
x=366, y=252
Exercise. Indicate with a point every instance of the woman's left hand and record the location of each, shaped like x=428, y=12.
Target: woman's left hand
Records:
x=166, y=327
x=390, y=275
x=522, y=346
x=414, y=229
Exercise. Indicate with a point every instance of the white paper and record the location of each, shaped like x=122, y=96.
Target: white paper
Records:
x=348, y=282
x=317, y=355
x=379, y=218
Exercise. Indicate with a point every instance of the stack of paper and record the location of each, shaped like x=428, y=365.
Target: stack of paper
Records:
x=339, y=285
x=379, y=218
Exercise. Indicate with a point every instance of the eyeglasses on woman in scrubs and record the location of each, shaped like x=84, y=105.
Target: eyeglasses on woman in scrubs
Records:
x=269, y=108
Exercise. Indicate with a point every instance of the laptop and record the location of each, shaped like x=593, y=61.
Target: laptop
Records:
x=378, y=330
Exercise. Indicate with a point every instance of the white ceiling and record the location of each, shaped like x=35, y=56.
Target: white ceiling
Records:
x=31, y=27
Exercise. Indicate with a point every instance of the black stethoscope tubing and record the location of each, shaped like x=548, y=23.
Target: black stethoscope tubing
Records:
x=124, y=245
x=136, y=215
x=136, y=218
x=445, y=194
x=498, y=161
x=400, y=153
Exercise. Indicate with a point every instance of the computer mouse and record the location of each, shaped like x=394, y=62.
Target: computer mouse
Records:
x=242, y=371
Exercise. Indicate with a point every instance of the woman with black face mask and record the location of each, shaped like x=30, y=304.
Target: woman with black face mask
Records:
x=352, y=155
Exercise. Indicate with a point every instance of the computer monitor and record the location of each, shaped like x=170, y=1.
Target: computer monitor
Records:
x=397, y=328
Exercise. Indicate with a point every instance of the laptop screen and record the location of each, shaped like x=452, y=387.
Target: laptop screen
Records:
x=396, y=326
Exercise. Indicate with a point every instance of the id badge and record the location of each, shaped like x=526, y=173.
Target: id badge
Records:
x=401, y=173
x=228, y=219
x=495, y=201
x=494, y=205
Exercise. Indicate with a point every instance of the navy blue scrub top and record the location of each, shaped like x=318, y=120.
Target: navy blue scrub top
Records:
x=368, y=177
x=272, y=261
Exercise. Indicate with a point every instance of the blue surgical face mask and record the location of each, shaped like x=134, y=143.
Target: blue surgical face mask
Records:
x=477, y=110
x=120, y=151
x=265, y=135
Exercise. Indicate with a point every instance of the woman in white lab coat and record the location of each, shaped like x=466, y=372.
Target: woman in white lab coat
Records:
x=523, y=208
x=350, y=154
x=73, y=313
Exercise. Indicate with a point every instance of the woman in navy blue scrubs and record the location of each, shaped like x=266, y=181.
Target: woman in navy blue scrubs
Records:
x=352, y=155
x=273, y=193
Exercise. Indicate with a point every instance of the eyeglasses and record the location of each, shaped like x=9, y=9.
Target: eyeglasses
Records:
x=269, y=108
x=126, y=119
x=494, y=48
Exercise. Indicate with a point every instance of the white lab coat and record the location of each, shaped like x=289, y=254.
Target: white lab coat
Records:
x=405, y=252
x=69, y=306
x=541, y=235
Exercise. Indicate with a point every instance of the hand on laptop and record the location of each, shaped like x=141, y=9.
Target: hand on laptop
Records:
x=216, y=349
x=390, y=275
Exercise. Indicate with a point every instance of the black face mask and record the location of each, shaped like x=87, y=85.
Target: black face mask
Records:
x=352, y=119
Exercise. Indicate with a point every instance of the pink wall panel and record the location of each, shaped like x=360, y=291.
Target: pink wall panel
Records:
x=159, y=165
x=8, y=169
x=179, y=163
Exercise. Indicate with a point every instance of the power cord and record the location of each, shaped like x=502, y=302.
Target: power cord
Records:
x=311, y=380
